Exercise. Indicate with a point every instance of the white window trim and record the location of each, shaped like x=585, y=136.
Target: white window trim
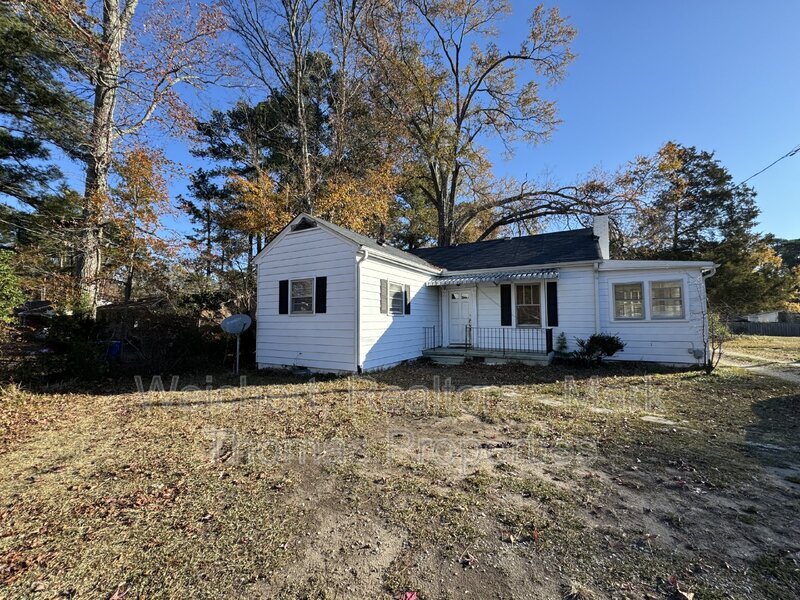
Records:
x=679, y=281
x=389, y=312
x=313, y=297
x=614, y=316
x=647, y=307
x=514, y=319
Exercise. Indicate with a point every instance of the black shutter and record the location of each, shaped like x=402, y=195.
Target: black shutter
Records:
x=505, y=305
x=321, y=295
x=384, y=296
x=407, y=294
x=283, y=297
x=552, y=304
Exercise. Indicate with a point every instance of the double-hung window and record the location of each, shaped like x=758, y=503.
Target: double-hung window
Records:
x=666, y=300
x=529, y=305
x=396, y=300
x=302, y=296
x=629, y=301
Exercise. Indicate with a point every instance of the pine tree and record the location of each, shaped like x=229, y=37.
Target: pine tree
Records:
x=37, y=110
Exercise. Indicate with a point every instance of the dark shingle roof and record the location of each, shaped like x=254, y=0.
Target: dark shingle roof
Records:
x=578, y=245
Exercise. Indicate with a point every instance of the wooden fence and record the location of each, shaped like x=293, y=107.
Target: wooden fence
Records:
x=780, y=329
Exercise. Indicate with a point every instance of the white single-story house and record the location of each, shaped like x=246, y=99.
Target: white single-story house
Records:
x=333, y=300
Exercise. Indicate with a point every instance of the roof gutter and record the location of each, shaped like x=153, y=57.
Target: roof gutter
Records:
x=710, y=272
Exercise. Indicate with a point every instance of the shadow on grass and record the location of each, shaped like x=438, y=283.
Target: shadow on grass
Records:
x=774, y=439
x=425, y=373
x=127, y=384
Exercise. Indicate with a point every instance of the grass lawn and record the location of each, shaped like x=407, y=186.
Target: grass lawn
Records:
x=768, y=348
x=621, y=482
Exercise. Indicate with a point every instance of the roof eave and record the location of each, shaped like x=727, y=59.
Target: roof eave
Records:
x=385, y=256
x=622, y=265
x=536, y=266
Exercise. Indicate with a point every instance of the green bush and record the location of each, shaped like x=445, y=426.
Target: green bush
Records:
x=10, y=294
x=597, y=347
x=561, y=343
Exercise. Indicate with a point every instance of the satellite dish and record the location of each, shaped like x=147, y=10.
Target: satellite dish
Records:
x=236, y=325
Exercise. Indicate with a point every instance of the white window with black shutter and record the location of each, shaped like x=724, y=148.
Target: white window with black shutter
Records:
x=303, y=296
x=301, y=301
x=395, y=298
x=529, y=304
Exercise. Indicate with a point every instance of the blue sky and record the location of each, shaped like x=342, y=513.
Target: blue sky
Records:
x=721, y=75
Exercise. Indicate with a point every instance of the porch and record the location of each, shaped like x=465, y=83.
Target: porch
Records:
x=493, y=345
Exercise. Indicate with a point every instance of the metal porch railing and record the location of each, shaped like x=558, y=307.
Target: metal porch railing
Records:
x=431, y=338
x=509, y=340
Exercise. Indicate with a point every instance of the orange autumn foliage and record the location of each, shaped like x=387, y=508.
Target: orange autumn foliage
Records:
x=361, y=204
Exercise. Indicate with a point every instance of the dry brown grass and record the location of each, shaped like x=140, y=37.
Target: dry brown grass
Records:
x=349, y=488
x=767, y=348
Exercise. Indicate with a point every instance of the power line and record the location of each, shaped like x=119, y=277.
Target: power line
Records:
x=791, y=152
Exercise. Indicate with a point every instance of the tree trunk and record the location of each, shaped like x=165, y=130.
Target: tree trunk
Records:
x=675, y=232
x=302, y=130
x=128, y=293
x=209, y=241
x=446, y=188
x=89, y=259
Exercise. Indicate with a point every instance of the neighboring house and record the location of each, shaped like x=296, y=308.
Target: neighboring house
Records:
x=762, y=317
x=772, y=316
x=333, y=300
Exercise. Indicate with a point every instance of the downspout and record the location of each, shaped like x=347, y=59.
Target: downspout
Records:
x=596, y=297
x=705, y=274
x=364, y=253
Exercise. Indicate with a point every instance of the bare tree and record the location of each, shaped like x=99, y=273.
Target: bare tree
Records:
x=131, y=67
x=715, y=335
x=278, y=37
x=441, y=74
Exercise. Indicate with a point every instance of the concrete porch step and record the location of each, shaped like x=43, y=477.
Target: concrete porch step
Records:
x=446, y=359
x=456, y=356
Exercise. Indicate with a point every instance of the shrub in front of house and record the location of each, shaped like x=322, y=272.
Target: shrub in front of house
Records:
x=560, y=350
x=597, y=347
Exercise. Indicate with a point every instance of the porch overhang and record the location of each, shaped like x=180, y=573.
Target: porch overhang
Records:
x=493, y=277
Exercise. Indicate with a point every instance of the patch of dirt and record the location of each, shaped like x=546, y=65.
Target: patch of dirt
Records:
x=345, y=548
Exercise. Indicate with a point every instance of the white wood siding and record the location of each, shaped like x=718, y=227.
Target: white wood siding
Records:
x=575, y=306
x=327, y=342
x=488, y=305
x=668, y=341
x=389, y=339
x=324, y=342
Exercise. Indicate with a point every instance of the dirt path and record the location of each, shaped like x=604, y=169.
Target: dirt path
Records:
x=735, y=359
x=753, y=357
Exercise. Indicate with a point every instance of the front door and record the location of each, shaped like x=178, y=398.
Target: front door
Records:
x=460, y=315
